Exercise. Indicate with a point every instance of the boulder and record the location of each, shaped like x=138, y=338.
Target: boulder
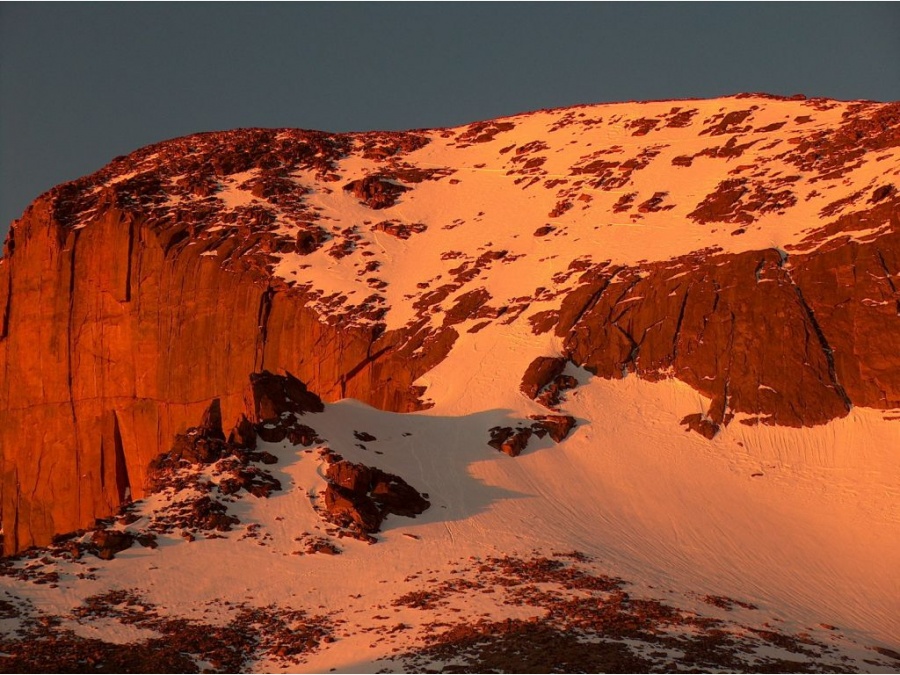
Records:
x=207, y=514
x=352, y=509
x=509, y=441
x=356, y=493
x=557, y=426
x=109, y=542
x=395, y=495
x=541, y=372
x=376, y=192
x=356, y=478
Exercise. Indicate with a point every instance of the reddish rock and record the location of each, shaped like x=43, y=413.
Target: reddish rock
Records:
x=133, y=298
x=244, y=433
x=300, y=434
x=192, y=447
x=510, y=441
x=702, y=425
x=361, y=496
x=541, y=372
x=207, y=514
x=551, y=395
x=256, y=482
x=376, y=192
x=557, y=426
x=395, y=495
x=273, y=395
x=352, y=509
x=109, y=542
x=712, y=320
x=271, y=432
x=353, y=477
x=309, y=239
x=466, y=306
x=399, y=230
x=211, y=424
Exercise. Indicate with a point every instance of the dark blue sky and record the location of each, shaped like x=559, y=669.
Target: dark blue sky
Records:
x=82, y=83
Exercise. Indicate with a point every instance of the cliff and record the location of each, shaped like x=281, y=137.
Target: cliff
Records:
x=749, y=247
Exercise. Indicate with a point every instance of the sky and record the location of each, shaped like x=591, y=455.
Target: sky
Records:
x=83, y=83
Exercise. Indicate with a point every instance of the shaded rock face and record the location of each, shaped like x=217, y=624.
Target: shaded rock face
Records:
x=110, y=542
x=359, y=497
x=273, y=395
x=788, y=338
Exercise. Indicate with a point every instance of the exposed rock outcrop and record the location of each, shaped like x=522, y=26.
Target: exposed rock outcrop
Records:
x=134, y=298
x=788, y=339
x=117, y=340
x=513, y=441
x=359, y=497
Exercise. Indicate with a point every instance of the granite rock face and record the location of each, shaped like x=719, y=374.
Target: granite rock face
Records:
x=791, y=339
x=114, y=340
x=133, y=299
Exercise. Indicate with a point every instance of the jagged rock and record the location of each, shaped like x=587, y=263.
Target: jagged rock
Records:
x=300, y=434
x=354, y=490
x=558, y=426
x=540, y=372
x=399, y=230
x=243, y=435
x=147, y=540
x=200, y=324
x=211, y=425
x=356, y=478
x=320, y=545
x=256, y=482
x=395, y=495
x=207, y=514
x=310, y=239
x=514, y=441
x=376, y=192
x=110, y=542
x=509, y=441
x=551, y=395
x=466, y=306
x=192, y=447
x=273, y=395
x=352, y=509
x=271, y=432
x=265, y=457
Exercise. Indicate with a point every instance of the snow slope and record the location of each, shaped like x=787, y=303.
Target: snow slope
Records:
x=801, y=525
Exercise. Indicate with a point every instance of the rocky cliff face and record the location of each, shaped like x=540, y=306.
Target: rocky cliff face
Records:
x=749, y=247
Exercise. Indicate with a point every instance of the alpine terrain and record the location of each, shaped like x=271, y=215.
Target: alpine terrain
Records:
x=605, y=388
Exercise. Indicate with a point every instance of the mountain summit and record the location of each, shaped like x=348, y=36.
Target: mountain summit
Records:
x=681, y=316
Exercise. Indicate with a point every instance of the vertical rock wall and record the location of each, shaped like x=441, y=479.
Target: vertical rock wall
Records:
x=114, y=338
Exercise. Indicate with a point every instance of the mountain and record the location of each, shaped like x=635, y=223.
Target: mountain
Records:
x=676, y=321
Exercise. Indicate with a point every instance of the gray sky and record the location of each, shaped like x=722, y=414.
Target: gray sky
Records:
x=83, y=83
